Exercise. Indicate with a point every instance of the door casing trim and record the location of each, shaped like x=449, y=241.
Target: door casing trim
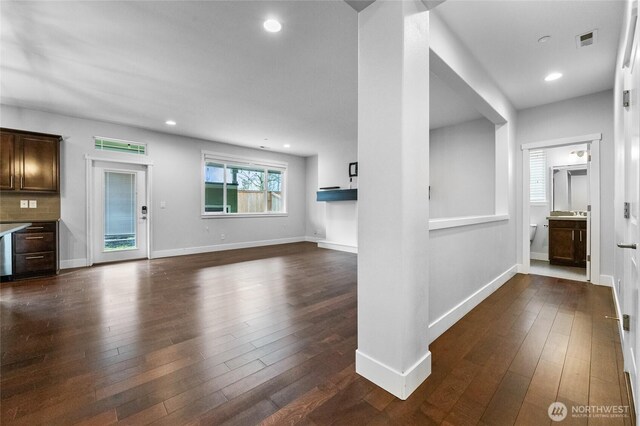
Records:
x=594, y=197
x=89, y=164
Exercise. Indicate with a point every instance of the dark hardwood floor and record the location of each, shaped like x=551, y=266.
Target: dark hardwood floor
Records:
x=268, y=335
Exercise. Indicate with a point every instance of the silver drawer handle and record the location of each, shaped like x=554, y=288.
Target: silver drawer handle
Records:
x=33, y=238
x=629, y=246
x=36, y=227
x=34, y=257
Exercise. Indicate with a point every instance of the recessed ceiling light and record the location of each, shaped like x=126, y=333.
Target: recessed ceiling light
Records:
x=286, y=145
x=544, y=39
x=553, y=76
x=272, y=25
x=170, y=123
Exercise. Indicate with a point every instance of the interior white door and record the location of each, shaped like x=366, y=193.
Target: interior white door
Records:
x=119, y=212
x=631, y=246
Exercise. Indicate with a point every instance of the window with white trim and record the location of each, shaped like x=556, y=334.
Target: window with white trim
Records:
x=119, y=145
x=242, y=186
x=538, y=176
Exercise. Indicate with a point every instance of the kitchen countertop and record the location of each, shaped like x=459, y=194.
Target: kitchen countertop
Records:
x=7, y=228
x=567, y=217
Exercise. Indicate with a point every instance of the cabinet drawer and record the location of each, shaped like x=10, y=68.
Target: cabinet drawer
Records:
x=34, y=262
x=561, y=224
x=39, y=227
x=34, y=242
x=570, y=224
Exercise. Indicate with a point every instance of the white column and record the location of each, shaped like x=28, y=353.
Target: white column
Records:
x=393, y=204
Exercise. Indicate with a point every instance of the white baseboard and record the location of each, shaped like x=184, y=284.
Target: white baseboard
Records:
x=311, y=239
x=73, y=263
x=539, y=256
x=442, y=324
x=605, y=280
x=521, y=269
x=221, y=247
x=399, y=384
x=336, y=246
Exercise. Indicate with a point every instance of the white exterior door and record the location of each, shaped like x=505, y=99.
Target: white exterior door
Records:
x=119, y=212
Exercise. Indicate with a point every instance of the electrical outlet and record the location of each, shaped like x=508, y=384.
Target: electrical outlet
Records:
x=222, y=236
x=24, y=204
x=163, y=204
x=206, y=228
x=33, y=204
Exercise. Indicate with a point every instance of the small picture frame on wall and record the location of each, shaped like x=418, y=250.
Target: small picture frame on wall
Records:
x=353, y=169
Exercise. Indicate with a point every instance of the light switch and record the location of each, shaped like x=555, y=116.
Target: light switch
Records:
x=163, y=204
x=33, y=204
x=24, y=204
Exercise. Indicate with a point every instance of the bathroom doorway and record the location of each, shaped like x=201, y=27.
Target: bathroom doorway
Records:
x=560, y=206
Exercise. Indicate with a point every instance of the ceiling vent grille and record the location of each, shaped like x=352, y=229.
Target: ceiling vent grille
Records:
x=586, y=39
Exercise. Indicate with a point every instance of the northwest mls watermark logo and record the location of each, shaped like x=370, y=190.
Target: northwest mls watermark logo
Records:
x=557, y=411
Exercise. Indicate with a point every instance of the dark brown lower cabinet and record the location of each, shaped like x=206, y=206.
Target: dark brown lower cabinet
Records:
x=35, y=250
x=568, y=242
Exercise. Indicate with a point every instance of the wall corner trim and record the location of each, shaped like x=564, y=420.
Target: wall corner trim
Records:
x=442, y=324
x=400, y=384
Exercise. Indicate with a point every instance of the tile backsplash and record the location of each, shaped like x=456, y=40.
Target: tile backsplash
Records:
x=48, y=206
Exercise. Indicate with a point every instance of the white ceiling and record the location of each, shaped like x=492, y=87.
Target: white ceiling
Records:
x=211, y=67
x=503, y=35
x=208, y=65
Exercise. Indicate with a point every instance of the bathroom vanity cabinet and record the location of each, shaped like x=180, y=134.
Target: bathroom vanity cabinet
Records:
x=568, y=242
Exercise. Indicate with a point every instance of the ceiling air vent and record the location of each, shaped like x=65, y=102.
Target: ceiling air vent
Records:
x=586, y=39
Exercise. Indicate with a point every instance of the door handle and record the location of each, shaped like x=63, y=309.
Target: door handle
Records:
x=629, y=246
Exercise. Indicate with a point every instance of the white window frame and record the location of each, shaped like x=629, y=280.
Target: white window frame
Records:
x=102, y=138
x=236, y=161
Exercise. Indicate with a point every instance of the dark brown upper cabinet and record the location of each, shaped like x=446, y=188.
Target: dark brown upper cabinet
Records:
x=30, y=161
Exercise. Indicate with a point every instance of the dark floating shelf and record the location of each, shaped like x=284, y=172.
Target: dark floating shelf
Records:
x=337, y=195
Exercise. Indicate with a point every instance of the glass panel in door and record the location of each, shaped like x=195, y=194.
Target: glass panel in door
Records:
x=119, y=211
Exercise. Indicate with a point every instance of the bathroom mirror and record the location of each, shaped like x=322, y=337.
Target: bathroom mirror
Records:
x=570, y=188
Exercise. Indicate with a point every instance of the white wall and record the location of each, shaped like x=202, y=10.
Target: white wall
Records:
x=333, y=163
x=176, y=180
x=462, y=169
x=315, y=226
x=468, y=263
x=339, y=224
x=574, y=117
